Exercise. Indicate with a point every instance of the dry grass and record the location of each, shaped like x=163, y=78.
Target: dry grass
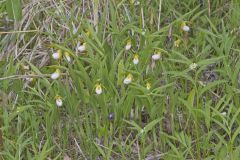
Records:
x=187, y=113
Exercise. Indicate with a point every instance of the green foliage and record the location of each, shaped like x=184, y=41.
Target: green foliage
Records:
x=14, y=9
x=182, y=104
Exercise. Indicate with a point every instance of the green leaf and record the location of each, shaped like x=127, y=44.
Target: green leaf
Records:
x=210, y=86
x=10, y=70
x=121, y=72
x=150, y=125
x=100, y=150
x=191, y=97
x=134, y=124
x=206, y=62
x=236, y=133
x=162, y=88
x=14, y=9
x=183, y=75
x=208, y=115
x=19, y=110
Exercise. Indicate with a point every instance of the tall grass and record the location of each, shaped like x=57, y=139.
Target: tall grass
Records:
x=184, y=105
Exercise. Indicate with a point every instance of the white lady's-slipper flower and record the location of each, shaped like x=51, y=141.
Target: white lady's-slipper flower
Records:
x=193, y=66
x=156, y=56
x=128, y=79
x=26, y=67
x=177, y=43
x=185, y=27
x=148, y=86
x=67, y=56
x=135, y=59
x=56, y=74
x=88, y=33
x=74, y=30
x=128, y=45
x=98, y=89
x=132, y=113
x=142, y=130
x=57, y=55
x=224, y=113
x=29, y=79
x=136, y=3
x=59, y=101
x=82, y=47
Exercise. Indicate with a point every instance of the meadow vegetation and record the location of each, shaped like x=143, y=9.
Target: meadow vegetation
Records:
x=119, y=79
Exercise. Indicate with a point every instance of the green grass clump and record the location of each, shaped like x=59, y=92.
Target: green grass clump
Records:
x=122, y=79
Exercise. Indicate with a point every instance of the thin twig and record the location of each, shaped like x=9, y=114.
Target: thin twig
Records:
x=209, y=8
x=95, y=14
x=152, y=157
x=128, y=16
x=109, y=149
x=143, y=22
x=14, y=32
x=215, y=94
x=79, y=148
x=159, y=14
x=27, y=76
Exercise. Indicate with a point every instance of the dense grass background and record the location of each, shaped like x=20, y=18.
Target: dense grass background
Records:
x=186, y=113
